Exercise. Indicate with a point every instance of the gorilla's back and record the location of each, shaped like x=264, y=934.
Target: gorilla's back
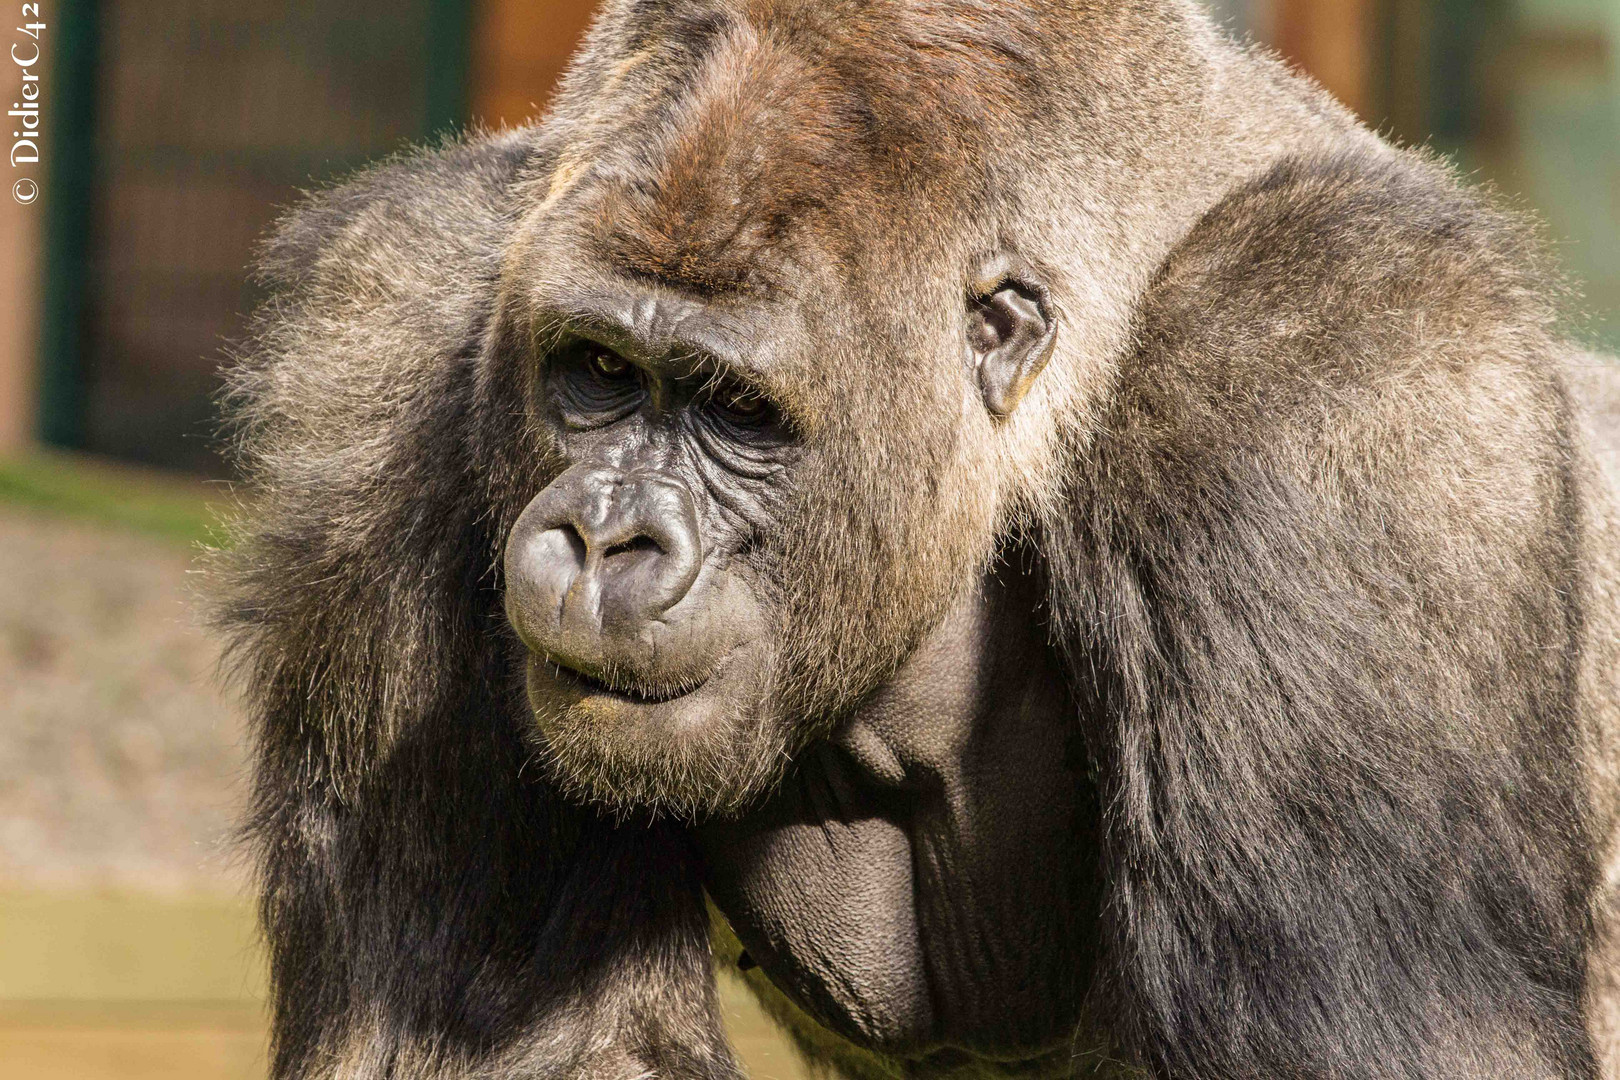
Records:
x=1595, y=382
x=1595, y=379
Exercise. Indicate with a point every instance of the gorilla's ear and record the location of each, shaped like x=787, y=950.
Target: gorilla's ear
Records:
x=1011, y=331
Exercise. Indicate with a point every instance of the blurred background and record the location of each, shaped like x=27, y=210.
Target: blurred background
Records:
x=169, y=133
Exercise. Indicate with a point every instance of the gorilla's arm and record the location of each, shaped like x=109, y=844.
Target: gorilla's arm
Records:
x=1322, y=568
x=431, y=909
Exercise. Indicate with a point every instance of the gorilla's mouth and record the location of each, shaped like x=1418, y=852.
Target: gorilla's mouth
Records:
x=635, y=692
x=626, y=745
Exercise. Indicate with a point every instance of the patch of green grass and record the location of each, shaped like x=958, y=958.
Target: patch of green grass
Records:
x=171, y=506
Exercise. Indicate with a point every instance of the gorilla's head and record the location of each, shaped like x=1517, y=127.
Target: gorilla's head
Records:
x=778, y=390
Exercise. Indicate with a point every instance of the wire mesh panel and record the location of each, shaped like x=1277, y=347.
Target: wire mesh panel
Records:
x=212, y=113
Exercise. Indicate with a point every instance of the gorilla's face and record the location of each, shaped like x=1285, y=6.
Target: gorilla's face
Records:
x=628, y=577
x=775, y=468
x=718, y=569
x=770, y=360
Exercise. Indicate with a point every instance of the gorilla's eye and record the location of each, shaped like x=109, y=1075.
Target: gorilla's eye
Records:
x=595, y=385
x=606, y=364
x=741, y=405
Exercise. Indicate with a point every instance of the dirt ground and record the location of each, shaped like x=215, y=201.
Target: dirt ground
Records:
x=120, y=760
x=127, y=948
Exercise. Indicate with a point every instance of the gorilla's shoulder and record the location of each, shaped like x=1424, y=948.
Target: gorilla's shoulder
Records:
x=1361, y=225
x=375, y=285
x=418, y=213
x=379, y=290
x=1335, y=281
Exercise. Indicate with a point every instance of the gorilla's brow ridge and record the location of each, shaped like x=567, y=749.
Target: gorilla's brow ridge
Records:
x=711, y=345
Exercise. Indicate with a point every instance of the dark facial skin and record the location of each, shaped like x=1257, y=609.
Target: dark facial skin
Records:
x=874, y=885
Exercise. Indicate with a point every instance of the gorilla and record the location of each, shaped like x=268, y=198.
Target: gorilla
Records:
x=1022, y=529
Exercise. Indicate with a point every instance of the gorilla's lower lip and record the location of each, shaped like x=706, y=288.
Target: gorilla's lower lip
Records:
x=590, y=684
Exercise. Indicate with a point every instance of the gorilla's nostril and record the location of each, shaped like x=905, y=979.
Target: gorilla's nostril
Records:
x=595, y=557
x=634, y=544
x=576, y=542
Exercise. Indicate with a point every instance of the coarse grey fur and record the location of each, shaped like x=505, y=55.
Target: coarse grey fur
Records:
x=1230, y=690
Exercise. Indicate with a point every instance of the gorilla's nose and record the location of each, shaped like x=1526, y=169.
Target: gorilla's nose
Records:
x=597, y=557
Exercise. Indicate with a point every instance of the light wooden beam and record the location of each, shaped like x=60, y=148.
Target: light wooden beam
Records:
x=519, y=49
x=1332, y=40
x=21, y=238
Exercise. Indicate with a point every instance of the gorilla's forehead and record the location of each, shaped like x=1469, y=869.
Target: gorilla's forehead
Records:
x=752, y=139
x=737, y=176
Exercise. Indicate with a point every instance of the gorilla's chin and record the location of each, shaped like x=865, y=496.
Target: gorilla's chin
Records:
x=691, y=751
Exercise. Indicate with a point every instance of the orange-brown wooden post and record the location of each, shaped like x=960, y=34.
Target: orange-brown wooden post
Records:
x=21, y=238
x=519, y=48
x=1333, y=41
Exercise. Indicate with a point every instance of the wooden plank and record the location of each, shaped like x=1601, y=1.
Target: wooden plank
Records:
x=21, y=236
x=108, y=946
x=77, y=1053
x=130, y=986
